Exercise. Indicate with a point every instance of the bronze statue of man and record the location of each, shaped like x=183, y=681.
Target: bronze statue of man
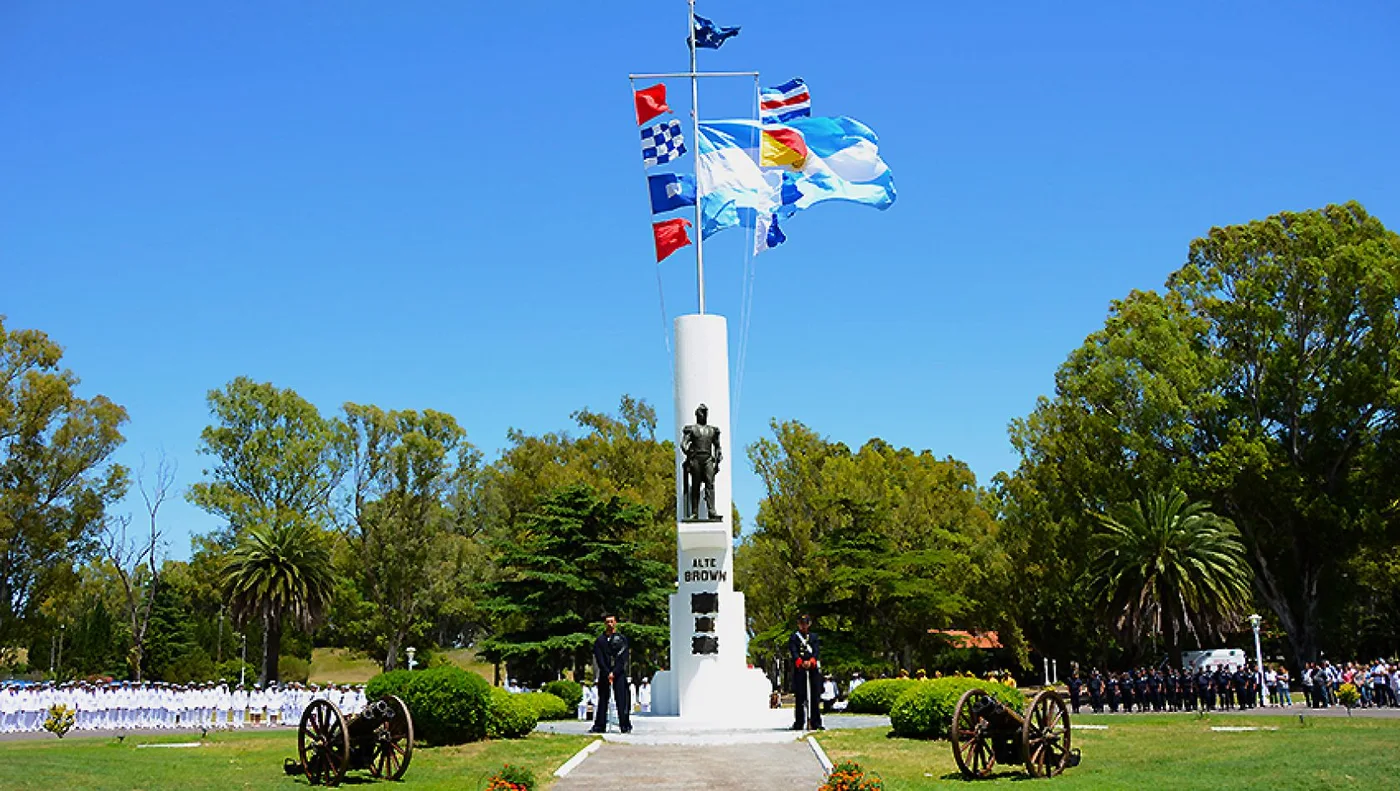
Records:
x=701, y=452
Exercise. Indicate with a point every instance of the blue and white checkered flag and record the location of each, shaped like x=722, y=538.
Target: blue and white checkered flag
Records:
x=662, y=143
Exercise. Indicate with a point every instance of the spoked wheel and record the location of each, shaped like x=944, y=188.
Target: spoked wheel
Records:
x=1045, y=735
x=393, y=742
x=971, y=736
x=323, y=742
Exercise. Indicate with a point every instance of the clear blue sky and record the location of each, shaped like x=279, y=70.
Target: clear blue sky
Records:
x=442, y=205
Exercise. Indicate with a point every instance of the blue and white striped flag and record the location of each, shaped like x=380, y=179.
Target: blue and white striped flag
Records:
x=782, y=103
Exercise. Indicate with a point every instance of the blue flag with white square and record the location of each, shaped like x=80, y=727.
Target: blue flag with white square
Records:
x=671, y=191
x=662, y=143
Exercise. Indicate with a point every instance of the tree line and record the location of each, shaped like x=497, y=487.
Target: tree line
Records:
x=1222, y=445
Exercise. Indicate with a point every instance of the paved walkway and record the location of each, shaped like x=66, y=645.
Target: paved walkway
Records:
x=773, y=767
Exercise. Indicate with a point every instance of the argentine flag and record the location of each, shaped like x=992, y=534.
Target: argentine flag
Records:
x=803, y=162
x=732, y=187
x=844, y=164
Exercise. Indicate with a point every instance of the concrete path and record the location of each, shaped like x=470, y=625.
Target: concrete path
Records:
x=620, y=767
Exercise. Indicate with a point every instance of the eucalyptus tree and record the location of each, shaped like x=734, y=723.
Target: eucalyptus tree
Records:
x=276, y=459
x=881, y=545
x=1263, y=379
x=55, y=479
x=405, y=468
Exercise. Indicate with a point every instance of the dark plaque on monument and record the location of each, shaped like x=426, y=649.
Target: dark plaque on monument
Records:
x=704, y=623
x=700, y=458
x=704, y=602
x=704, y=645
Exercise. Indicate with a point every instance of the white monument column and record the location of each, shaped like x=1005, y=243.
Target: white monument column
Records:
x=709, y=679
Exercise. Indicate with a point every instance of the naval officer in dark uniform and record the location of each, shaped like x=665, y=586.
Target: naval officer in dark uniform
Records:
x=1096, y=691
x=1076, y=687
x=612, y=657
x=806, y=652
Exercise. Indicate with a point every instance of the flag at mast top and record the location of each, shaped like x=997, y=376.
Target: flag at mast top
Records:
x=708, y=35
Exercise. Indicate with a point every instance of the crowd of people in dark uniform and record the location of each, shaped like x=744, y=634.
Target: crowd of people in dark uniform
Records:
x=1156, y=689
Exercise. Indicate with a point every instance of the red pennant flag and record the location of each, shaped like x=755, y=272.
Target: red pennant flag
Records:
x=670, y=236
x=651, y=102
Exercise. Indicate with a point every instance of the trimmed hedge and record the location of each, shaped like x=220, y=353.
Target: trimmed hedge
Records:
x=510, y=716
x=545, y=706
x=571, y=692
x=878, y=696
x=449, y=705
x=925, y=711
x=392, y=683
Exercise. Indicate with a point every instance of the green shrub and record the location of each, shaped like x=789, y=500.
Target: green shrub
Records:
x=293, y=668
x=571, y=692
x=448, y=704
x=545, y=705
x=392, y=683
x=510, y=715
x=925, y=711
x=878, y=696
x=229, y=669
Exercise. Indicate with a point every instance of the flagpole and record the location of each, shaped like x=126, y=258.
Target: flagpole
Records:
x=695, y=135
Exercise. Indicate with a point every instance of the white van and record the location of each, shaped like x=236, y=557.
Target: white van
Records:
x=1215, y=657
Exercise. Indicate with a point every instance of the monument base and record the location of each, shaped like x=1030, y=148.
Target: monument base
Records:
x=732, y=697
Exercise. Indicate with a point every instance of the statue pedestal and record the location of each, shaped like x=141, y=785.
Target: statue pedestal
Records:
x=709, y=679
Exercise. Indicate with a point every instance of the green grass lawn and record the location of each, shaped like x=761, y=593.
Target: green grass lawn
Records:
x=251, y=761
x=344, y=666
x=341, y=666
x=1164, y=753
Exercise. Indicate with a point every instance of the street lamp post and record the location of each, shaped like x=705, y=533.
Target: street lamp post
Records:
x=1254, y=621
x=243, y=659
x=412, y=663
x=62, y=629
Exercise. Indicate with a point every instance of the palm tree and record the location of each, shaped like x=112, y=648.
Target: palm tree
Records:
x=277, y=572
x=1173, y=567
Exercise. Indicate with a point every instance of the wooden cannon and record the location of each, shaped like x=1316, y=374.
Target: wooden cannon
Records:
x=985, y=733
x=379, y=738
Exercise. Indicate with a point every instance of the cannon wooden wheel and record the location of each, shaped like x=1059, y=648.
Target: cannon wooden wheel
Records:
x=1045, y=735
x=323, y=742
x=393, y=742
x=971, y=735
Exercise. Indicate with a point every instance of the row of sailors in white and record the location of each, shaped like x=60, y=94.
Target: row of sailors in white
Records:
x=639, y=696
x=122, y=706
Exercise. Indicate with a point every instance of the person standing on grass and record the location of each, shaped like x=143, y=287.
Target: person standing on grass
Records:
x=612, y=655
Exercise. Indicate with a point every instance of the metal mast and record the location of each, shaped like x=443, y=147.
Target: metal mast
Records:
x=695, y=136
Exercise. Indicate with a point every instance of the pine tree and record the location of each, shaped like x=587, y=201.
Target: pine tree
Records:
x=576, y=559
